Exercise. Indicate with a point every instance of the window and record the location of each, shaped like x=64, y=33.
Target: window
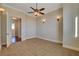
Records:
x=76, y=27
x=13, y=26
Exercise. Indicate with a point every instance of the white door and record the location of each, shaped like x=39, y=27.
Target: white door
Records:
x=9, y=30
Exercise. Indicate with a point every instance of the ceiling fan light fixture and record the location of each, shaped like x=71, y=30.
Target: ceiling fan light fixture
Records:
x=36, y=11
x=36, y=14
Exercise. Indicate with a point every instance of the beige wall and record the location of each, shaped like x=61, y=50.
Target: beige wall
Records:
x=3, y=28
x=0, y=30
x=70, y=11
x=49, y=29
x=0, y=27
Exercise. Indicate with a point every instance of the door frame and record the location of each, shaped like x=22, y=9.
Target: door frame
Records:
x=17, y=18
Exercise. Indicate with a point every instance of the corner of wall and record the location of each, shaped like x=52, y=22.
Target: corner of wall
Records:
x=71, y=47
x=28, y=38
x=56, y=41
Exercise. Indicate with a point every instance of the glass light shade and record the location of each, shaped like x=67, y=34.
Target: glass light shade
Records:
x=36, y=14
x=2, y=10
x=58, y=17
x=44, y=20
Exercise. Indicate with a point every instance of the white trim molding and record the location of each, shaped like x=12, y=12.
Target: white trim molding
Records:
x=49, y=39
x=71, y=47
x=28, y=38
x=5, y=5
x=42, y=38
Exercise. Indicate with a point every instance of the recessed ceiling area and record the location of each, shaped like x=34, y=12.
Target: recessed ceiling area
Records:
x=25, y=7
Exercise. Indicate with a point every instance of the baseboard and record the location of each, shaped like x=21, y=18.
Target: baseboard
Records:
x=70, y=47
x=28, y=38
x=49, y=39
x=31, y=37
x=42, y=38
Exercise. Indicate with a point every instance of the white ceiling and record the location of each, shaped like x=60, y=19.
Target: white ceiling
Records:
x=25, y=7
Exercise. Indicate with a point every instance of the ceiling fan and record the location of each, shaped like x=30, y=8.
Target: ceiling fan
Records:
x=37, y=11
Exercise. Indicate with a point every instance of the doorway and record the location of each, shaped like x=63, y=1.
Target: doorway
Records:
x=16, y=29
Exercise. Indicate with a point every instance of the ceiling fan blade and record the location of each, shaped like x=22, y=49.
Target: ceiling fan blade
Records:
x=41, y=13
x=33, y=8
x=42, y=9
x=30, y=12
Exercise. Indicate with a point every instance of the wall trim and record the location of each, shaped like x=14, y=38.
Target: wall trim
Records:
x=71, y=47
x=42, y=38
x=5, y=5
x=28, y=38
x=49, y=39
